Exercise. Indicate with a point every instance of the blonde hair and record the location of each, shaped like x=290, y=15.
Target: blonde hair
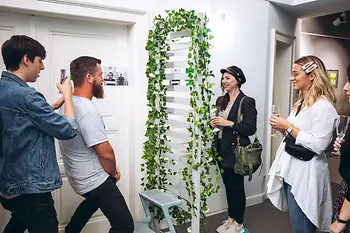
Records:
x=320, y=85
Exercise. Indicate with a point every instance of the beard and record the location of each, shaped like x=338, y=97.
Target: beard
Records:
x=97, y=90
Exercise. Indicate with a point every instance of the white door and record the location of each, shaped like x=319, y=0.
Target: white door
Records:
x=281, y=91
x=64, y=41
x=282, y=88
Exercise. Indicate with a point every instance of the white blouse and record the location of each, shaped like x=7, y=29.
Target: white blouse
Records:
x=310, y=180
x=224, y=114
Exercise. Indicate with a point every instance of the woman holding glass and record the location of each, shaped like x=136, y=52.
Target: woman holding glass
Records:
x=302, y=184
x=341, y=209
x=226, y=141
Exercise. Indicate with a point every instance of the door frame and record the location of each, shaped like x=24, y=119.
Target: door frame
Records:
x=275, y=36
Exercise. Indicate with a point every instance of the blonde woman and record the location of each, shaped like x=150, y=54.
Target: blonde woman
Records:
x=297, y=181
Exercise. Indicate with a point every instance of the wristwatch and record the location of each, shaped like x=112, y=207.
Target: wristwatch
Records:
x=290, y=128
x=340, y=220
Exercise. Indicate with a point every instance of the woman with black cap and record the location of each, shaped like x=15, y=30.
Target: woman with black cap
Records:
x=226, y=140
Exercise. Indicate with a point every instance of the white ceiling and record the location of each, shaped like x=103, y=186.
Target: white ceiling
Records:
x=312, y=8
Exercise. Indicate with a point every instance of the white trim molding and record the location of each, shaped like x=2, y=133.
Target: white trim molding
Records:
x=94, y=6
x=71, y=8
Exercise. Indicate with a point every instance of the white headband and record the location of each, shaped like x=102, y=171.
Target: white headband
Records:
x=309, y=67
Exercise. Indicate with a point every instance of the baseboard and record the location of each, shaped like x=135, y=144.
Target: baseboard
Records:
x=252, y=200
x=257, y=199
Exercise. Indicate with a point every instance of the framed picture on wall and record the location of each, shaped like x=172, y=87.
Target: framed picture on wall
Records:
x=333, y=77
x=110, y=74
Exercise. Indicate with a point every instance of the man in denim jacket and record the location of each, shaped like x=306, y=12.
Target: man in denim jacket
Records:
x=28, y=126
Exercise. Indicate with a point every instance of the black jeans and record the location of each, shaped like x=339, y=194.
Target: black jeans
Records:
x=33, y=212
x=235, y=193
x=109, y=199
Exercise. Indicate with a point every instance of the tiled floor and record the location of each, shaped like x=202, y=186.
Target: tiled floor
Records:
x=262, y=218
x=265, y=218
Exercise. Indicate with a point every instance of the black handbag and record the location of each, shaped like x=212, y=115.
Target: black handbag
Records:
x=295, y=150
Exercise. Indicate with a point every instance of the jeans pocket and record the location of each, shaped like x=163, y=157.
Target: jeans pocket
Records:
x=113, y=179
x=6, y=203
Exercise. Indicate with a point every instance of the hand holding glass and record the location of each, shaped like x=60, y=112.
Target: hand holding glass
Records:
x=341, y=129
x=216, y=129
x=275, y=111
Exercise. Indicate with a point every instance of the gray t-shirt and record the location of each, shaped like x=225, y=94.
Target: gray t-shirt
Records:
x=80, y=159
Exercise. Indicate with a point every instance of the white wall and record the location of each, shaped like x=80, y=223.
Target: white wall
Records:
x=281, y=20
x=280, y=23
x=240, y=39
x=155, y=6
x=287, y=2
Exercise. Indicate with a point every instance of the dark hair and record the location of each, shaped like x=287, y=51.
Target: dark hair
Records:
x=222, y=101
x=14, y=49
x=82, y=66
x=348, y=72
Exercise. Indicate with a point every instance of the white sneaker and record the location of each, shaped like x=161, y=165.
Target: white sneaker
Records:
x=240, y=229
x=235, y=229
x=226, y=225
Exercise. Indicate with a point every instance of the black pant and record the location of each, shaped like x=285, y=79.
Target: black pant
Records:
x=236, y=200
x=35, y=212
x=109, y=199
x=235, y=193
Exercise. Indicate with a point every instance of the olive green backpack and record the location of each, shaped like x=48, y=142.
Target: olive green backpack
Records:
x=248, y=158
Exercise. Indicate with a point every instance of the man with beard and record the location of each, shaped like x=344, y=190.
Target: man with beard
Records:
x=89, y=159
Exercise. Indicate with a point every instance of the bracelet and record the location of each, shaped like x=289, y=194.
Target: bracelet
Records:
x=340, y=220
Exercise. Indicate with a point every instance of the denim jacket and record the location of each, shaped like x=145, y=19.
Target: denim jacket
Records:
x=28, y=126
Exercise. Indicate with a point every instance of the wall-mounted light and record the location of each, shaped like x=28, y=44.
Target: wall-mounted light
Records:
x=341, y=19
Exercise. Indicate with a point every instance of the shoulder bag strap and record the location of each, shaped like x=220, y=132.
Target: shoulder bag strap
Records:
x=299, y=108
x=239, y=115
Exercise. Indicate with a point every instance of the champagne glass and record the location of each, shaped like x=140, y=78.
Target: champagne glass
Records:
x=341, y=129
x=217, y=129
x=275, y=111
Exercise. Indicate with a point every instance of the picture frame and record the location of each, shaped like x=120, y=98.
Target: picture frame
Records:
x=333, y=77
x=110, y=75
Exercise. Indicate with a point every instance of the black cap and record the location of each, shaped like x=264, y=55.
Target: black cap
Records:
x=236, y=72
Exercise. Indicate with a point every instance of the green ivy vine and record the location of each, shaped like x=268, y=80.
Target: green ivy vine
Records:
x=155, y=147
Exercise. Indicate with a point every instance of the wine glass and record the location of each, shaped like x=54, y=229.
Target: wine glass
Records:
x=341, y=129
x=275, y=111
x=217, y=129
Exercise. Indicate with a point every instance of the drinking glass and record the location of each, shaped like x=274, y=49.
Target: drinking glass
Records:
x=341, y=129
x=216, y=129
x=275, y=111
